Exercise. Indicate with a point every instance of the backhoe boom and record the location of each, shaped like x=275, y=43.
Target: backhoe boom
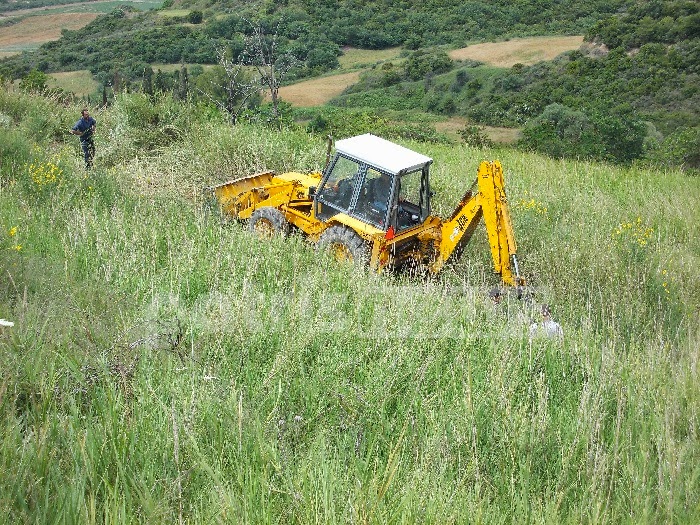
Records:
x=490, y=202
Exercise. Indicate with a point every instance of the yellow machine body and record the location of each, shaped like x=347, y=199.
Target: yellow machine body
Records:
x=428, y=243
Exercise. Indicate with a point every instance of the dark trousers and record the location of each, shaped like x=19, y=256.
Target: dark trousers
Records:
x=88, y=146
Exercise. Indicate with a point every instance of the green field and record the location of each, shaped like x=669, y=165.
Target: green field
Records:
x=166, y=367
x=353, y=58
x=100, y=7
x=79, y=82
x=172, y=13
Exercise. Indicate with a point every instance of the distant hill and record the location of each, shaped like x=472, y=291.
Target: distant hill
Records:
x=314, y=30
x=630, y=93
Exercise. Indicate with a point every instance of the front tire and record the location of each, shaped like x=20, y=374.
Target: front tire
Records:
x=267, y=222
x=344, y=245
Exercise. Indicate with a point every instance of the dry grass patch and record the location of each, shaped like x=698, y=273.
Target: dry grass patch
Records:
x=79, y=82
x=353, y=58
x=451, y=128
x=36, y=30
x=318, y=91
x=169, y=68
x=503, y=135
x=172, y=13
x=518, y=51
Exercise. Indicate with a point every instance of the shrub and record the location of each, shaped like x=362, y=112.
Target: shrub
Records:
x=195, y=17
x=681, y=147
x=475, y=136
x=560, y=131
x=420, y=64
x=34, y=81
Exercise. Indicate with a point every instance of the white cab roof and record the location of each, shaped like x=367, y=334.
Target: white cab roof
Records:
x=381, y=153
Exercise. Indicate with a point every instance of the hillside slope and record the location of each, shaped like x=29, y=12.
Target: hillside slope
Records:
x=165, y=366
x=628, y=96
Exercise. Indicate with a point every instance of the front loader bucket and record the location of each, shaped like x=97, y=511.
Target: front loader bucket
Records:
x=234, y=196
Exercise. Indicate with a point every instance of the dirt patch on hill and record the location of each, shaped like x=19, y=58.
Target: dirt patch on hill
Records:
x=518, y=51
x=318, y=91
x=36, y=30
x=451, y=128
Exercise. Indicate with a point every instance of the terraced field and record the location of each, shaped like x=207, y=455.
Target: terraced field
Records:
x=33, y=31
x=318, y=91
x=519, y=51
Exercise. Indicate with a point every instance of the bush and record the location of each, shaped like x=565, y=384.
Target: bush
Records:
x=681, y=147
x=195, y=17
x=34, y=81
x=475, y=136
x=420, y=64
x=564, y=132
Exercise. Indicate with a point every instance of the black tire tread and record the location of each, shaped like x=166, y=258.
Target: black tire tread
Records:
x=275, y=217
x=338, y=234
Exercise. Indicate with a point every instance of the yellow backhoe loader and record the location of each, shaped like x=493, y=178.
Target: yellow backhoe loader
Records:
x=372, y=204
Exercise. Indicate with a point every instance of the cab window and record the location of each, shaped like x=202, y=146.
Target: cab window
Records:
x=410, y=202
x=335, y=194
x=373, y=200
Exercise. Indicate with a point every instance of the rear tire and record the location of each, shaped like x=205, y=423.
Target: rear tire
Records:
x=344, y=245
x=267, y=222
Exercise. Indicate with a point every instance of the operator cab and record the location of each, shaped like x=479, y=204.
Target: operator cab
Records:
x=377, y=182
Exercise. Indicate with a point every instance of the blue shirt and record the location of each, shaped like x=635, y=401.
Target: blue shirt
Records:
x=83, y=125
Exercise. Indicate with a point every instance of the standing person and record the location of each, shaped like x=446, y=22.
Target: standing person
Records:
x=85, y=129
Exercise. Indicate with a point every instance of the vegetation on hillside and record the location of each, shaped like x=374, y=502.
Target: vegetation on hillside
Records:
x=166, y=367
x=638, y=100
x=630, y=95
x=13, y=5
x=314, y=31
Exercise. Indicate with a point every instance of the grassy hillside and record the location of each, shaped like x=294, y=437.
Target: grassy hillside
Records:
x=165, y=366
x=629, y=94
x=24, y=28
x=526, y=51
x=31, y=32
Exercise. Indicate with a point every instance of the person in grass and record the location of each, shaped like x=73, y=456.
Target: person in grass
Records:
x=85, y=129
x=547, y=327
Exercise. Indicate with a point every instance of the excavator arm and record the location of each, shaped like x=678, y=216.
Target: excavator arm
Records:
x=490, y=203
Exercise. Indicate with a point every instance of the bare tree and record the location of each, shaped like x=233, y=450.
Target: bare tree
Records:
x=262, y=52
x=235, y=88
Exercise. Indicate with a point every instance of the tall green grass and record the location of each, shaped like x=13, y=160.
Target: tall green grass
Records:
x=166, y=367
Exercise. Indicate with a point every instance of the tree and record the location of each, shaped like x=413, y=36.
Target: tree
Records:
x=262, y=51
x=34, y=81
x=228, y=86
x=183, y=83
x=160, y=84
x=147, y=86
x=419, y=64
x=195, y=17
x=564, y=132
